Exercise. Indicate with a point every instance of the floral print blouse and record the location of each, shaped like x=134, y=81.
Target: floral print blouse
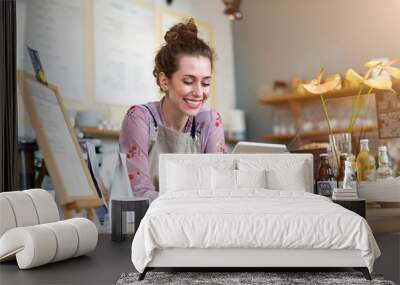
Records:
x=134, y=141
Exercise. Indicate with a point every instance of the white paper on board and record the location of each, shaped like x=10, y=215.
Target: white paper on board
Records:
x=59, y=139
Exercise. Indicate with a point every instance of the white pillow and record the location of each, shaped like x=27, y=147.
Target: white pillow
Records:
x=281, y=173
x=293, y=180
x=228, y=179
x=223, y=179
x=183, y=177
x=251, y=178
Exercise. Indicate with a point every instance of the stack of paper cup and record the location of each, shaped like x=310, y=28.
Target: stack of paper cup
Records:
x=237, y=125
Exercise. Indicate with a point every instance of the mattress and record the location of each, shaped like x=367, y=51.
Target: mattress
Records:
x=250, y=219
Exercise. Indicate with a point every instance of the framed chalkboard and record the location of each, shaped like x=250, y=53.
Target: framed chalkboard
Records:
x=388, y=113
x=58, y=143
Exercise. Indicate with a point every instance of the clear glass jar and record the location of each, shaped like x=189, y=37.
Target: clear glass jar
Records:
x=384, y=169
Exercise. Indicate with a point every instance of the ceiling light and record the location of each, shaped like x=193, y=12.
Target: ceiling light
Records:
x=232, y=9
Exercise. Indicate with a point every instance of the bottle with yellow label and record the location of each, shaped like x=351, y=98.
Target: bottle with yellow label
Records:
x=365, y=163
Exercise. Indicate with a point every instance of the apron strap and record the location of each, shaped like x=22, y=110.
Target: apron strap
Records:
x=192, y=130
x=154, y=119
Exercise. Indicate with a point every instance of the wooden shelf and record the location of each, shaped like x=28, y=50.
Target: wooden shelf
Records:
x=270, y=99
x=296, y=101
x=101, y=134
x=230, y=141
x=315, y=134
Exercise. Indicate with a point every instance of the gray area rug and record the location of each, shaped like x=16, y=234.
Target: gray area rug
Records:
x=229, y=278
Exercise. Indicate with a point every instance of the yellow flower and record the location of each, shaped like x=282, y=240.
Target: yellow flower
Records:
x=353, y=77
x=393, y=71
x=316, y=87
x=373, y=63
x=378, y=82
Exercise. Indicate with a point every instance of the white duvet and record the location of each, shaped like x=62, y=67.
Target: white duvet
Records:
x=251, y=218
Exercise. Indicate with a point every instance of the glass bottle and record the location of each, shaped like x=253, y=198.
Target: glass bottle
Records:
x=340, y=176
x=384, y=170
x=365, y=163
x=325, y=172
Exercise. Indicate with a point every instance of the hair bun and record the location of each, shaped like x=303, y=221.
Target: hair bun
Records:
x=181, y=32
x=181, y=39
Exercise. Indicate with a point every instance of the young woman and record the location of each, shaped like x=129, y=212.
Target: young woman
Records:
x=178, y=123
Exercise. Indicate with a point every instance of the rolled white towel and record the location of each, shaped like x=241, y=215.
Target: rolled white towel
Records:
x=66, y=238
x=40, y=244
x=33, y=246
x=87, y=235
x=26, y=208
x=45, y=205
x=7, y=218
x=23, y=208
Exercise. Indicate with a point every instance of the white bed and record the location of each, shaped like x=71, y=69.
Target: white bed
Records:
x=215, y=211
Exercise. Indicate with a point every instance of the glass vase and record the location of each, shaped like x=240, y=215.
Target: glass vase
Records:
x=339, y=143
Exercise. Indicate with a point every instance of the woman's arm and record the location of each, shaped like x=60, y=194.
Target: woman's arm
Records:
x=134, y=142
x=216, y=140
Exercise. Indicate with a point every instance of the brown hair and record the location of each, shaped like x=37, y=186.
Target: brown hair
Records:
x=180, y=39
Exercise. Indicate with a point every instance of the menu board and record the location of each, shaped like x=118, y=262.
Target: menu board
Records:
x=57, y=142
x=124, y=40
x=388, y=114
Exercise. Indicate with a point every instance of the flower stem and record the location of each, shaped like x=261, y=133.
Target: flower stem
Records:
x=353, y=109
x=325, y=108
x=326, y=113
x=355, y=118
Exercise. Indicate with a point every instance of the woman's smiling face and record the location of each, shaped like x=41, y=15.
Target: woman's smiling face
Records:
x=189, y=86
